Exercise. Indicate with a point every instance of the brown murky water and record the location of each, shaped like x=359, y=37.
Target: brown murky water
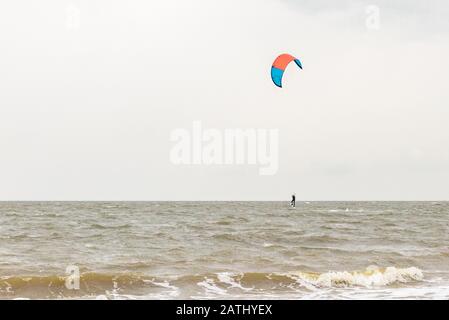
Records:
x=241, y=250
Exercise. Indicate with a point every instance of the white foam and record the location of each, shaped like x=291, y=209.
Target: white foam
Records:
x=210, y=287
x=174, y=291
x=228, y=278
x=371, y=277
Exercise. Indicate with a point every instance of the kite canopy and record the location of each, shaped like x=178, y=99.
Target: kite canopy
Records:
x=279, y=65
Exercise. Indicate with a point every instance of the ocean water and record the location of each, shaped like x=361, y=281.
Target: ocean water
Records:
x=224, y=250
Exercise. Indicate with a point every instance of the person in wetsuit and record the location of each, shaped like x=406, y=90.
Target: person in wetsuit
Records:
x=293, y=202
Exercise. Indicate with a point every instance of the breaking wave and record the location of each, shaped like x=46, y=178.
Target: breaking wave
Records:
x=224, y=284
x=371, y=277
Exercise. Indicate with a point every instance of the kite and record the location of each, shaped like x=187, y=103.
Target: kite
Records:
x=279, y=65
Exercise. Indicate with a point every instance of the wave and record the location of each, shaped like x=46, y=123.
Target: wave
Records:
x=53, y=286
x=101, y=226
x=215, y=284
x=371, y=277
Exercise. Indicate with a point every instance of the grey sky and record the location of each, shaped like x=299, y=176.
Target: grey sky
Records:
x=86, y=111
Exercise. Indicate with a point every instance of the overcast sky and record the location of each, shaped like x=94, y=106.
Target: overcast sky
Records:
x=91, y=90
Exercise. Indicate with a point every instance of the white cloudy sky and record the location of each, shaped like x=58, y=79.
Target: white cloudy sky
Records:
x=86, y=113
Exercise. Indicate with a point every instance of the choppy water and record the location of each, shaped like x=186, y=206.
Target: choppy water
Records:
x=242, y=250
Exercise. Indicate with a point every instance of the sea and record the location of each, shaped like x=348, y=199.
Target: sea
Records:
x=224, y=250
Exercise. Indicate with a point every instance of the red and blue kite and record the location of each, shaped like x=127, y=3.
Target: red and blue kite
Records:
x=279, y=65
